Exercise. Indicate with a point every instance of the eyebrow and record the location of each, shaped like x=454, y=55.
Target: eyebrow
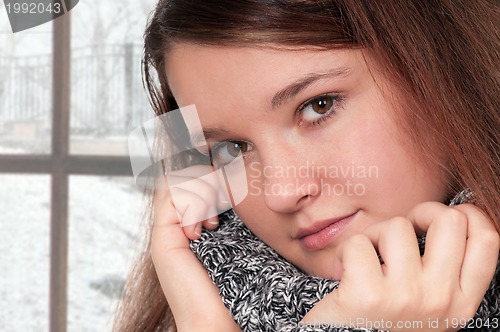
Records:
x=215, y=132
x=295, y=88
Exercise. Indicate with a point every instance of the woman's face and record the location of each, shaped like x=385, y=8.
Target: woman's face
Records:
x=324, y=157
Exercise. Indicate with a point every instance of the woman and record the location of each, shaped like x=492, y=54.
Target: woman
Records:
x=407, y=88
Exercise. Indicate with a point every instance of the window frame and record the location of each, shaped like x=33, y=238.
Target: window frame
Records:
x=59, y=165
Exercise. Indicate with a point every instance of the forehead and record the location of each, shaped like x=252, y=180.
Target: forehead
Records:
x=199, y=73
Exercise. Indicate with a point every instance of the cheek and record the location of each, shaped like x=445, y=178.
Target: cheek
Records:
x=252, y=209
x=261, y=221
x=270, y=227
x=397, y=180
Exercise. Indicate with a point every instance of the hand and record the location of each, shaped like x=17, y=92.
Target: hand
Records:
x=191, y=294
x=448, y=282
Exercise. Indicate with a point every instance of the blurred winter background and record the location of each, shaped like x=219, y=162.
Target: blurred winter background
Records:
x=107, y=102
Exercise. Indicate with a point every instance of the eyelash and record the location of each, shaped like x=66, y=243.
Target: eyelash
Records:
x=337, y=98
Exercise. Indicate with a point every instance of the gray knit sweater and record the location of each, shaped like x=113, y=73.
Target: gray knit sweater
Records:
x=264, y=292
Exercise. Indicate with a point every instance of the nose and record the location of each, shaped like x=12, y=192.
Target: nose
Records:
x=289, y=181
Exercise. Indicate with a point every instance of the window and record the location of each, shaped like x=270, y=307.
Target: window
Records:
x=70, y=93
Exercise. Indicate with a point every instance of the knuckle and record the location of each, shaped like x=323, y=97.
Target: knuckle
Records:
x=476, y=215
x=401, y=224
x=453, y=220
x=468, y=208
x=358, y=240
x=423, y=206
x=456, y=216
x=491, y=239
x=457, y=219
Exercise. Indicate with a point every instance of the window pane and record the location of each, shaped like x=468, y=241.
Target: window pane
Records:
x=24, y=244
x=25, y=88
x=105, y=215
x=108, y=99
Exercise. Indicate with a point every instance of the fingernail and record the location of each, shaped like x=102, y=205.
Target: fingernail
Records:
x=214, y=221
x=197, y=229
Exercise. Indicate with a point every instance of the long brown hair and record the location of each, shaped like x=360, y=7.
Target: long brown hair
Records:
x=442, y=55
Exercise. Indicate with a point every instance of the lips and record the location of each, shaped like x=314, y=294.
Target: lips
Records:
x=322, y=233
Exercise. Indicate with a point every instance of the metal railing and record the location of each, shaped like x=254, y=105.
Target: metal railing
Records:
x=107, y=97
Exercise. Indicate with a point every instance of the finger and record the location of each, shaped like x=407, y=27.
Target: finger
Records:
x=201, y=204
x=398, y=247
x=211, y=223
x=192, y=210
x=193, y=231
x=184, y=178
x=445, y=240
x=482, y=252
x=163, y=200
x=196, y=200
x=359, y=260
x=167, y=214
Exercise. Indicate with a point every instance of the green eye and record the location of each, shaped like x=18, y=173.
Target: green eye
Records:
x=235, y=148
x=225, y=152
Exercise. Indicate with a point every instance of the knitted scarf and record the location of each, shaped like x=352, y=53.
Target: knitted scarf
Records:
x=264, y=292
